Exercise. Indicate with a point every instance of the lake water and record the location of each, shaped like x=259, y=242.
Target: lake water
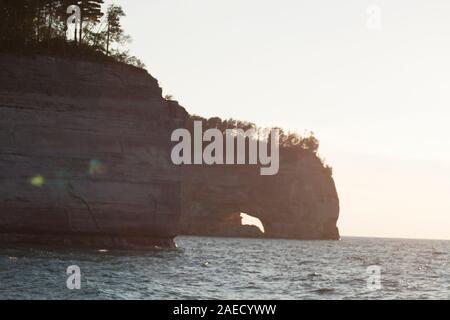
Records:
x=234, y=268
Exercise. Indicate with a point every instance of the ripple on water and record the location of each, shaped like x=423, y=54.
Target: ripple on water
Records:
x=216, y=268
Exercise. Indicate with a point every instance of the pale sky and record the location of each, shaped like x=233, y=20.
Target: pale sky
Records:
x=377, y=99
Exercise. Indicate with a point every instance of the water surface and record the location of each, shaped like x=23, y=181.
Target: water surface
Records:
x=234, y=268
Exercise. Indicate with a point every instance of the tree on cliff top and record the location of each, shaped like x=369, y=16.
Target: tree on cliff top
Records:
x=288, y=140
x=114, y=30
x=110, y=37
x=292, y=144
x=27, y=25
x=91, y=11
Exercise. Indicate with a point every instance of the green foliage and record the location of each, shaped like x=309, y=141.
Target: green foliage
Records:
x=292, y=145
x=114, y=31
x=91, y=13
x=40, y=25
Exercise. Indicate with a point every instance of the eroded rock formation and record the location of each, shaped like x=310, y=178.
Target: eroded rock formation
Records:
x=85, y=159
x=300, y=202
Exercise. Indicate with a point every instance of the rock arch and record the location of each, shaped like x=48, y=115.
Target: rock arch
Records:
x=300, y=202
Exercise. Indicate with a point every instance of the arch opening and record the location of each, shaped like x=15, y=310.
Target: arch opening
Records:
x=249, y=220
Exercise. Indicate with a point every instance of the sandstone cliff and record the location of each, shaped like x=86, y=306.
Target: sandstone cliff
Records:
x=84, y=154
x=300, y=202
x=85, y=159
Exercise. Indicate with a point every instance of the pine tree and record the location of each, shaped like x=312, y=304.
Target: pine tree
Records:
x=42, y=24
x=91, y=11
x=114, y=30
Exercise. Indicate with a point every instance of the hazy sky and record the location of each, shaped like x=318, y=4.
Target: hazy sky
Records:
x=377, y=98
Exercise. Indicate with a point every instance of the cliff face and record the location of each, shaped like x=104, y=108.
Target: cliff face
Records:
x=300, y=202
x=85, y=154
x=85, y=159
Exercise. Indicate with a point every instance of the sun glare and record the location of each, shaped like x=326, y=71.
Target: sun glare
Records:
x=248, y=220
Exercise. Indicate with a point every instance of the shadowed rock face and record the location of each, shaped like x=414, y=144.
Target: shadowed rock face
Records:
x=85, y=159
x=84, y=150
x=300, y=202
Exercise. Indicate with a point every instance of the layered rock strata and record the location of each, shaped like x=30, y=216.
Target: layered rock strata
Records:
x=85, y=154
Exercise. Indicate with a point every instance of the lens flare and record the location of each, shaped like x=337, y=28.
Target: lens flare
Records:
x=96, y=167
x=37, y=181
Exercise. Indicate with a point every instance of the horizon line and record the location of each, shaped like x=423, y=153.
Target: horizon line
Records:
x=394, y=238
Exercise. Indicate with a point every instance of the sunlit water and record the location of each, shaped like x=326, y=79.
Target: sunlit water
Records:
x=220, y=268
